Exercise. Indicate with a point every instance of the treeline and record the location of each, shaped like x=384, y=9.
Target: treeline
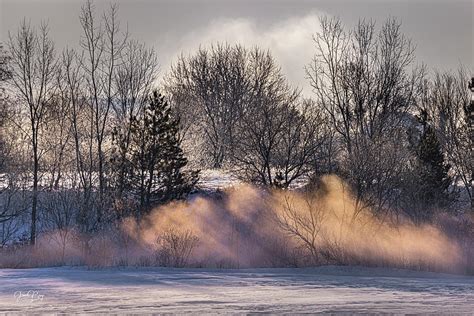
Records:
x=88, y=136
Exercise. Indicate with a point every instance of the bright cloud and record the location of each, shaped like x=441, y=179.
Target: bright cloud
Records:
x=289, y=41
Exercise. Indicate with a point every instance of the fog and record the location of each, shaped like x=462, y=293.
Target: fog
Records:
x=249, y=227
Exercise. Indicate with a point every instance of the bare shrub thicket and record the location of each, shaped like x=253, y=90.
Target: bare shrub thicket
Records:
x=461, y=229
x=13, y=214
x=175, y=246
x=303, y=220
x=329, y=228
x=60, y=209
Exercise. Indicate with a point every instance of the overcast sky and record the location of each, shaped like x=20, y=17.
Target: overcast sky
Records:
x=441, y=29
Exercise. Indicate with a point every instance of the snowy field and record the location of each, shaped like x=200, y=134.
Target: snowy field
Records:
x=200, y=291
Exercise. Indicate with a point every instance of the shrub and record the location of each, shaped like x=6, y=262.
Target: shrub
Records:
x=175, y=247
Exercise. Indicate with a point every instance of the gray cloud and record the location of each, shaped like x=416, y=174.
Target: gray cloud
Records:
x=442, y=29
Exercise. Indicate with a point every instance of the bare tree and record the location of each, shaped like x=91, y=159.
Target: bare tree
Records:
x=82, y=133
x=279, y=134
x=209, y=91
x=56, y=138
x=15, y=179
x=13, y=197
x=5, y=75
x=103, y=45
x=470, y=111
x=33, y=69
x=447, y=105
x=367, y=84
x=247, y=113
x=134, y=81
x=363, y=79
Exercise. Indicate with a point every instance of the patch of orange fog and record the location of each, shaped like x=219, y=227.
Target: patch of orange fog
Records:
x=242, y=229
x=229, y=230
x=355, y=236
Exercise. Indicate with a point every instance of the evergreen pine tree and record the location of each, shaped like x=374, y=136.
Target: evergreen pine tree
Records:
x=156, y=158
x=432, y=171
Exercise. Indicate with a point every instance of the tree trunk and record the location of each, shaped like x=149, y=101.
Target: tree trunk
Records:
x=101, y=181
x=34, y=205
x=471, y=131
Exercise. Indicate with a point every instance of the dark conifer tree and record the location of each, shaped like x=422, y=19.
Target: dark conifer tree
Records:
x=431, y=170
x=156, y=160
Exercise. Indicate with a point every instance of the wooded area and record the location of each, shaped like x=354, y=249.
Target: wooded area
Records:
x=90, y=136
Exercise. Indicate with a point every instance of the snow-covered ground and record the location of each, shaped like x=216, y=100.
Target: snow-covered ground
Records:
x=204, y=291
x=213, y=179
